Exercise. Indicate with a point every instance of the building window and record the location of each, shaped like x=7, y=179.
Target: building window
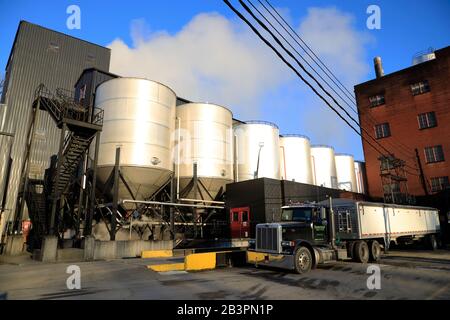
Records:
x=90, y=58
x=427, y=120
x=434, y=154
x=420, y=87
x=53, y=47
x=439, y=183
x=382, y=130
x=376, y=100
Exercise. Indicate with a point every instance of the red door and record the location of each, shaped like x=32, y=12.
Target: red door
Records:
x=240, y=222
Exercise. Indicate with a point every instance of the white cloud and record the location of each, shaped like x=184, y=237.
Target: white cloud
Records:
x=332, y=35
x=219, y=60
x=210, y=59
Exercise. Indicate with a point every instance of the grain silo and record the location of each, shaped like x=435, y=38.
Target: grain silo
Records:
x=295, y=158
x=204, y=137
x=345, y=169
x=257, y=150
x=139, y=117
x=361, y=178
x=324, y=166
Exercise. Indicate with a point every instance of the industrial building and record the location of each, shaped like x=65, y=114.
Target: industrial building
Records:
x=106, y=157
x=38, y=55
x=407, y=111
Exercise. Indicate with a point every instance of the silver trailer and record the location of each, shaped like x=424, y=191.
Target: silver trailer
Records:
x=389, y=223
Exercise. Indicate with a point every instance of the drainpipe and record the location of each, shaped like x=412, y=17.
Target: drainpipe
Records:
x=178, y=157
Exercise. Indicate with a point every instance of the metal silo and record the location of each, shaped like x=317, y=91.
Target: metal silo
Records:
x=204, y=137
x=324, y=166
x=345, y=169
x=257, y=150
x=139, y=117
x=295, y=158
x=361, y=178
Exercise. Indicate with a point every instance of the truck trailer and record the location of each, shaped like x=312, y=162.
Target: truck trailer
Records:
x=310, y=234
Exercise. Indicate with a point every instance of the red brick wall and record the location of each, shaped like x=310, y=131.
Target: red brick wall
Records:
x=400, y=111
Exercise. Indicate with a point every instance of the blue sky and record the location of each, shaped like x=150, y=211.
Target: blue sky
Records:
x=406, y=28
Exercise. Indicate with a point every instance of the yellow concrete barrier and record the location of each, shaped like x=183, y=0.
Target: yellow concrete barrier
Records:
x=192, y=262
x=255, y=257
x=200, y=261
x=167, y=267
x=157, y=254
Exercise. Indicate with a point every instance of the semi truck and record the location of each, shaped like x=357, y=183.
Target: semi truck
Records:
x=310, y=234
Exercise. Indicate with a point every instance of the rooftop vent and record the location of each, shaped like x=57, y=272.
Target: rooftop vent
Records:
x=423, y=56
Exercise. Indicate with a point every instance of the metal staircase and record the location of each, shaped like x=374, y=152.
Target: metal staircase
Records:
x=75, y=146
x=79, y=126
x=37, y=209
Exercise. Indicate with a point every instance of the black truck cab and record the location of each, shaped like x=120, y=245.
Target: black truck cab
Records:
x=303, y=238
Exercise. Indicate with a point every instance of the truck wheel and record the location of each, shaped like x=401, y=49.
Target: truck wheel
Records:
x=303, y=260
x=361, y=251
x=375, y=251
x=432, y=242
x=351, y=249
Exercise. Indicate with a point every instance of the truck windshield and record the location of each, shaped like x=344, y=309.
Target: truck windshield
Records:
x=296, y=214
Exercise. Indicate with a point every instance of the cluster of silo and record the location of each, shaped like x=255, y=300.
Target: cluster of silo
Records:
x=159, y=140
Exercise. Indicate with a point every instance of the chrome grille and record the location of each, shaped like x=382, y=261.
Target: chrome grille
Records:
x=268, y=238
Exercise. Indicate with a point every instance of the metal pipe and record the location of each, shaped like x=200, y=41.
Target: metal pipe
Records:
x=379, y=72
x=237, y=157
x=115, y=195
x=178, y=157
x=284, y=162
x=171, y=204
x=332, y=224
x=198, y=200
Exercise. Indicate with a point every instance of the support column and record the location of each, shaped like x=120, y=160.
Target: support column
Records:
x=90, y=210
x=56, y=195
x=26, y=165
x=171, y=208
x=115, y=195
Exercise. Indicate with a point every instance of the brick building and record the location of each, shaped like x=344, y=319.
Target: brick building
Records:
x=408, y=110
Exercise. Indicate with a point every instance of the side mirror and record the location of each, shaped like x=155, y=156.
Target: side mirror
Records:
x=323, y=213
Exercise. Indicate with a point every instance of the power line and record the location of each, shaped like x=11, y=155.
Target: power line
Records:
x=227, y=2
x=297, y=73
x=328, y=72
x=310, y=75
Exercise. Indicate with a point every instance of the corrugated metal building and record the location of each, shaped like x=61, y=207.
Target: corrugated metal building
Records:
x=39, y=55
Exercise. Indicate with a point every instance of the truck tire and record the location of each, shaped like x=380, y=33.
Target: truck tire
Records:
x=361, y=251
x=375, y=251
x=432, y=242
x=303, y=260
x=351, y=249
